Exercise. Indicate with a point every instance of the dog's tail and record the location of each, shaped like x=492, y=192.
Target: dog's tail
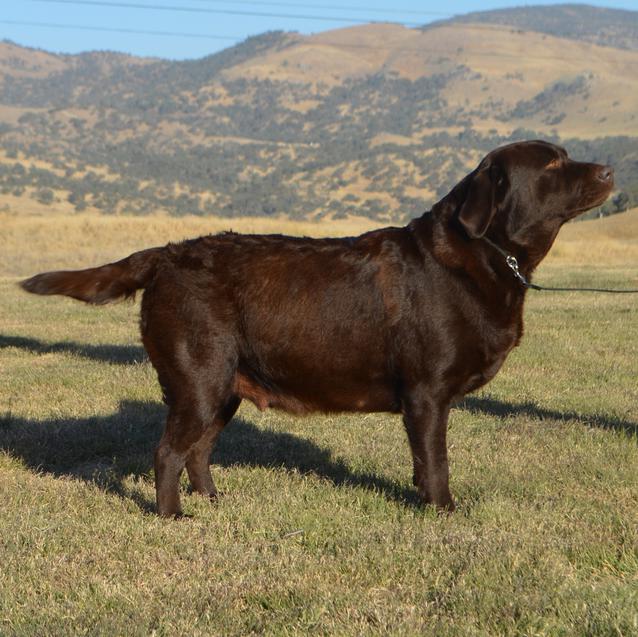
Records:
x=99, y=285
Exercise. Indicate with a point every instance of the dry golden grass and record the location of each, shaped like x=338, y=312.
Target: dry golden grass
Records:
x=609, y=242
x=37, y=242
x=33, y=242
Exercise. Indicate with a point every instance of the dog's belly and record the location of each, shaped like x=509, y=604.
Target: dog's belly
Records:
x=325, y=396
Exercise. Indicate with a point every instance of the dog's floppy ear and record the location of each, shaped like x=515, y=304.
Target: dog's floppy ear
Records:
x=478, y=208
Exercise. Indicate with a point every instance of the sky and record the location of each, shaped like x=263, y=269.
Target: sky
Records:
x=189, y=29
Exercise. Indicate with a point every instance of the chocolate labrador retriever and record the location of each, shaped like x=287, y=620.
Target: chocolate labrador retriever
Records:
x=396, y=320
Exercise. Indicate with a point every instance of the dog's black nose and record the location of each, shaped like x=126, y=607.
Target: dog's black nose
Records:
x=606, y=173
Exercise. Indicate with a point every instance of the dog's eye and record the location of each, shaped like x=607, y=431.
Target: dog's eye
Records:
x=555, y=163
x=497, y=176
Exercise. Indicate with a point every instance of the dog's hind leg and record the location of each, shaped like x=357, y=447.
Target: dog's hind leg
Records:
x=184, y=427
x=200, y=399
x=198, y=459
x=191, y=429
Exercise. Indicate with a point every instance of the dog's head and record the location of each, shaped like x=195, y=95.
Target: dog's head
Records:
x=522, y=193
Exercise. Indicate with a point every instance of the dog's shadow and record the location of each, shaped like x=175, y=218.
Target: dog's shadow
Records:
x=106, y=450
x=118, y=354
x=502, y=409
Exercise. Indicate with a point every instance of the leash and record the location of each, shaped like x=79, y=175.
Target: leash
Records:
x=512, y=263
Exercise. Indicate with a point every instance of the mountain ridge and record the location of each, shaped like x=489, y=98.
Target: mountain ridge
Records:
x=617, y=28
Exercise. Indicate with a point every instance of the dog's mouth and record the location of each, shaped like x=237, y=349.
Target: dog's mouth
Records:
x=593, y=200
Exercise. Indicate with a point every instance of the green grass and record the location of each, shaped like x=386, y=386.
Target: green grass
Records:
x=544, y=466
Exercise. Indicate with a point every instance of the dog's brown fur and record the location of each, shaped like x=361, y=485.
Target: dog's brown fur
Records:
x=398, y=320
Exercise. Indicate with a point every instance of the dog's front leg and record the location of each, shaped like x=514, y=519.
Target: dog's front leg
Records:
x=425, y=421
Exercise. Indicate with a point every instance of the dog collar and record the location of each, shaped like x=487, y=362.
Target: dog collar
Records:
x=512, y=263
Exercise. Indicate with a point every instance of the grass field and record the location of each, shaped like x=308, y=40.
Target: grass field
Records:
x=318, y=529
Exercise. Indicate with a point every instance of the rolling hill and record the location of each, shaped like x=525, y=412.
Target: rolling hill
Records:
x=376, y=120
x=617, y=28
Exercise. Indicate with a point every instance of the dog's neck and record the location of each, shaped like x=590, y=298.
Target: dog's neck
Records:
x=451, y=246
x=438, y=232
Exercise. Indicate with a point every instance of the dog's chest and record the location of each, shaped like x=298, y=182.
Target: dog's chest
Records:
x=481, y=359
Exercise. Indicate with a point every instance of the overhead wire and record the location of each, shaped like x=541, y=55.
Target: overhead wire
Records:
x=190, y=9
x=352, y=20
x=83, y=27
x=315, y=41
x=329, y=7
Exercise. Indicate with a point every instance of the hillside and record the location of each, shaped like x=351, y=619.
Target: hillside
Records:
x=376, y=120
x=608, y=27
